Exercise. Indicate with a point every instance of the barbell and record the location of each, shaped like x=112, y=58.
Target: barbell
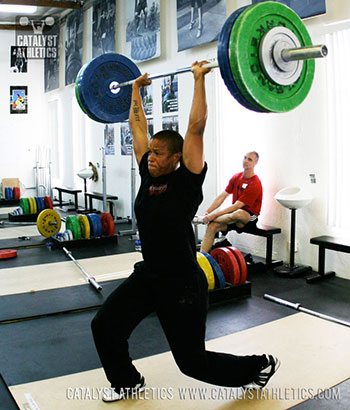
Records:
x=297, y=306
x=265, y=56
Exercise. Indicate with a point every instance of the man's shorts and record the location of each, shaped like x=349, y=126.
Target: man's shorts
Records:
x=251, y=224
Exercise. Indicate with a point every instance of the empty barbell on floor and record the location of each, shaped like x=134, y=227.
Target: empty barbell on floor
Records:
x=265, y=56
x=297, y=306
x=91, y=279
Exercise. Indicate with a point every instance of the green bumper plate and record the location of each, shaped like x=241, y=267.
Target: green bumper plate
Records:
x=245, y=39
x=73, y=225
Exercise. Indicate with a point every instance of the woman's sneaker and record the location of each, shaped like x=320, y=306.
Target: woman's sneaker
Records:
x=111, y=395
x=265, y=374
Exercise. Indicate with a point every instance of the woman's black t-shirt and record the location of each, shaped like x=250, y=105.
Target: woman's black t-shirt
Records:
x=164, y=209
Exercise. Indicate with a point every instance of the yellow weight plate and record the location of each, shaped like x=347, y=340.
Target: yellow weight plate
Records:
x=35, y=208
x=84, y=226
x=30, y=205
x=207, y=269
x=48, y=222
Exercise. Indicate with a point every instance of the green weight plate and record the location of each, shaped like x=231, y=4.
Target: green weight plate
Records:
x=24, y=204
x=245, y=39
x=72, y=224
x=80, y=98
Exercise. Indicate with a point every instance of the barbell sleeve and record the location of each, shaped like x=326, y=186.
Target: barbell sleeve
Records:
x=297, y=306
x=304, y=53
x=91, y=280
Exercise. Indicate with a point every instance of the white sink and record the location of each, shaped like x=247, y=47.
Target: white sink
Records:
x=293, y=197
x=85, y=173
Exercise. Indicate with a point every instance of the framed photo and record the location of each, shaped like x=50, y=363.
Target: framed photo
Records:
x=199, y=22
x=142, y=29
x=304, y=8
x=19, y=60
x=18, y=99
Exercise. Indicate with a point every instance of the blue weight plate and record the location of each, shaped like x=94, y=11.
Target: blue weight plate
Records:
x=80, y=98
x=7, y=193
x=38, y=204
x=95, y=225
x=224, y=61
x=94, y=87
x=42, y=203
x=219, y=276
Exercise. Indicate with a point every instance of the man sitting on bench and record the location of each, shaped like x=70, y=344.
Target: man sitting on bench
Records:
x=246, y=190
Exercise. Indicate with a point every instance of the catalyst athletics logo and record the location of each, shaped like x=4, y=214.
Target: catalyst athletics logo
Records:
x=39, y=34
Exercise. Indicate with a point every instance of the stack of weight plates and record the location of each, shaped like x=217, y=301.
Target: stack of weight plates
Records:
x=232, y=264
x=12, y=193
x=33, y=205
x=242, y=65
x=212, y=271
x=87, y=227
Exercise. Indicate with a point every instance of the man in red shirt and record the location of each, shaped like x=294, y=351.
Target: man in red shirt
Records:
x=246, y=190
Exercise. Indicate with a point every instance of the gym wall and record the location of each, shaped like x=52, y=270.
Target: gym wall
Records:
x=291, y=145
x=20, y=133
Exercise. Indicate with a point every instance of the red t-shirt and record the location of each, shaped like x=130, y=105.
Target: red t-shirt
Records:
x=246, y=190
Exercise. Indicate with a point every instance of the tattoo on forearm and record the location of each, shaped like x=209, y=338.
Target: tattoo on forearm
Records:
x=136, y=110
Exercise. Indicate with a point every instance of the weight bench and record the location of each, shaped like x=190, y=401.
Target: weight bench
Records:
x=73, y=192
x=109, y=198
x=326, y=242
x=260, y=230
x=267, y=232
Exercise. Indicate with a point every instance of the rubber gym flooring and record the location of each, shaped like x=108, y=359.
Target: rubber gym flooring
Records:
x=52, y=335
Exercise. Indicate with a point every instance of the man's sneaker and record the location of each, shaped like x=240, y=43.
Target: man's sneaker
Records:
x=111, y=395
x=197, y=220
x=265, y=374
x=221, y=243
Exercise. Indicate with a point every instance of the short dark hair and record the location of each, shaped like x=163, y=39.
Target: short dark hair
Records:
x=256, y=154
x=173, y=140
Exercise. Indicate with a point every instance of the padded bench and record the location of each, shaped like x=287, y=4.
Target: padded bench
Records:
x=73, y=192
x=109, y=198
x=326, y=242
x=267, y=232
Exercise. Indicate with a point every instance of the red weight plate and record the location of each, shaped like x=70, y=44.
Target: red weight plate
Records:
x=107, y=223
x=48, y=202
x=241, y=262
x=7, y=253
x=16, y=192
x=228, y=265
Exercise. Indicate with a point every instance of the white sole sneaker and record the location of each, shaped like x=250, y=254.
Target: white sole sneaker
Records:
x=111, y=395
x=265, y=374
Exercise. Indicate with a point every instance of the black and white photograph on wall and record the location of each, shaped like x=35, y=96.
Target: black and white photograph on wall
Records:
x=142, y=29
x=199, y=22
x=103, y=27
x=19, y=60
x=125, y=138
x=304, y=8
x=169, y=90
x=147, y=100
x=170, y=123
x=150, y=127
x=109, y=139
x=18, y=99
x=73, y=45
x=51, y=64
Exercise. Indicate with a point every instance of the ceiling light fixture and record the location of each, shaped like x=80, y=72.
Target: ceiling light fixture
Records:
x=11, y=8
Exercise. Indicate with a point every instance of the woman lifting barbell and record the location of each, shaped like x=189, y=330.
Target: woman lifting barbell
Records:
x=169, y=280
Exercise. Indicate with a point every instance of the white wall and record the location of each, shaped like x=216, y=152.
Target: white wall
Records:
x=291, y=145
x=20, y=133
